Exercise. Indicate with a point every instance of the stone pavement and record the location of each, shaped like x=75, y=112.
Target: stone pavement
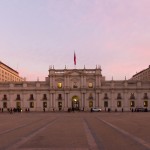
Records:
x=75, y=131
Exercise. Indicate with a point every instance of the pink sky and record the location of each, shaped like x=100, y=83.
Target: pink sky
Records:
x=112, y=33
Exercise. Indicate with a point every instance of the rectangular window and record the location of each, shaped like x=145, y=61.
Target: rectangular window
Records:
x=60, y=105
x=145, y=96
x=44, y=104
x=90, y=104
x=132, y=96
x=90, y=85
x=5, y=97
x=59, y=85
x=132, y=104
x=90, y=96
x=31, y=97
x=44, y=97
x=4, y=104
x=105, y=96
x=59, y=97
x=119, y=104
x=31, y=104
x=105, y=104
x=119, y=96
x=145, y=104
x=18, y=97
x=75, y=85
x=18, y=105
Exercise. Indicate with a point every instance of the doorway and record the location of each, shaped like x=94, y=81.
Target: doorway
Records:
x=75, y=103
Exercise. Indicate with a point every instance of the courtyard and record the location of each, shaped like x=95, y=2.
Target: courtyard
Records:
x=75, y=131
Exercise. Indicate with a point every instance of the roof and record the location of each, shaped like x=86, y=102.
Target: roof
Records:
x=141, y=71
x=8, y=67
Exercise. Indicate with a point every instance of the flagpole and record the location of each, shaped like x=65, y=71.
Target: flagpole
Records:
x=74, y=60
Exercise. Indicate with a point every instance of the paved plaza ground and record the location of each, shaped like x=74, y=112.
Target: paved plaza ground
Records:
x=75, y=131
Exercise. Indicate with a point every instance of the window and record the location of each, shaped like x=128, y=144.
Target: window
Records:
x=132, y=96
x=90, y=96
x=60, y=105
x=5, y=105
x=5, y=97
x=44, y=97
x=31, y=104
x=18, y=97
x=145, y=96
x=105, y=96
x=90, y=85
x=145, y=104
x=75, y=85
x=44, y=104
x=31, y=97
x=59, y=97
x=59, y=85
x=18, y=105
x=132, y=104
x=119, y=104
x=105, y=104
x=90, y=104
x=119, y=96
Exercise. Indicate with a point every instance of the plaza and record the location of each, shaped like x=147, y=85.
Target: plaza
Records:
x=75, y=131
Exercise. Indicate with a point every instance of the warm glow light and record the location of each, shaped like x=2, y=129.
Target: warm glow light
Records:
x=59, y=85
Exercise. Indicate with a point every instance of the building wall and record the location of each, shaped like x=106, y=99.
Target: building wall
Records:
x=142, y=75
x=8, y=74
x=75, y=92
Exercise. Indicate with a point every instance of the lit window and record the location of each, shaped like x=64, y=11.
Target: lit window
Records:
x=145, y=103
x=90, y=104
x=132, y=104
x=18, y=105
x=59, y=85
x=90, y=85
x=119, y=104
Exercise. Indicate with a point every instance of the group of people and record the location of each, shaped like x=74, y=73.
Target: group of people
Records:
x=13, y=110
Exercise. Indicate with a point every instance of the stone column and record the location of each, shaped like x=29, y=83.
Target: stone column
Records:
x=126, y=102
x=138, y=101
x=112, y=101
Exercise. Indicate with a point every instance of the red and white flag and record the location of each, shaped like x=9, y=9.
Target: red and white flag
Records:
x=74, y=58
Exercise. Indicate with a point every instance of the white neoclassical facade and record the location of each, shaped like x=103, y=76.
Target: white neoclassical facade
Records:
x=80, y=89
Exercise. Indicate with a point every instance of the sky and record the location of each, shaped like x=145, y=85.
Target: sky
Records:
x=115, y=34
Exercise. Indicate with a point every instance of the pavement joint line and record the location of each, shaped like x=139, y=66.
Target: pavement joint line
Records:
x=54, y=149
x=139, y=140
x=90, y=138
x=25, y=139
x=13, y=129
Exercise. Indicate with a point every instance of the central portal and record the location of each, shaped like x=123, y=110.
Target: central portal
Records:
x=75, y=103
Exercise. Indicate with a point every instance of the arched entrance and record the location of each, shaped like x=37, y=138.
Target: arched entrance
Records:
x=75, y=103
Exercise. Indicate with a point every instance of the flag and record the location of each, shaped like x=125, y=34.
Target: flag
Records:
x=74, y=58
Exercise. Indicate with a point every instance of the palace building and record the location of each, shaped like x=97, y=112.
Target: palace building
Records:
x=80, y=89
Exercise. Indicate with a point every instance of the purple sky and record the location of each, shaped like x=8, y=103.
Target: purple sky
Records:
x=115, y=34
